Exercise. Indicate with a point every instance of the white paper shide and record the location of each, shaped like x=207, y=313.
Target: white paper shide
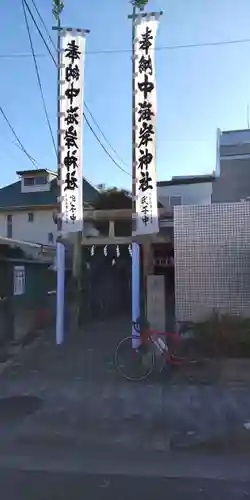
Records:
x=145, y=127
x=71, y=130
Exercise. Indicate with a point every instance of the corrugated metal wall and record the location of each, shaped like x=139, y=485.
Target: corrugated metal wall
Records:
x=212, y=259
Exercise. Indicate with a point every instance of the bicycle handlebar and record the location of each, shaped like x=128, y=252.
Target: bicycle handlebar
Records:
x=175, y=336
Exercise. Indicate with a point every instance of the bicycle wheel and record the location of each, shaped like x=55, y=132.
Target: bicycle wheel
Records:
x=185, y=355
x=134, y=364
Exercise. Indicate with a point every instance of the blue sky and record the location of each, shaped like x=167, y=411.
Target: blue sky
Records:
x=199, y=89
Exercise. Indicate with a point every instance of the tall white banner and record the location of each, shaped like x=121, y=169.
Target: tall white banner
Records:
x=145, y=126
x=71, y=130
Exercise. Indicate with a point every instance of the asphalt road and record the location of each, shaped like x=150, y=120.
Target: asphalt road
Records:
x=18, y=485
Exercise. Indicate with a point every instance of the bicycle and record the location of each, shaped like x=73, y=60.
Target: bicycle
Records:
x=136, y=364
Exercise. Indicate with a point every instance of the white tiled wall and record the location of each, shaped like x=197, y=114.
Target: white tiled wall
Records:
x=212, y=260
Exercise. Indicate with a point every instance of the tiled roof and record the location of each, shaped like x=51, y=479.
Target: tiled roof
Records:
x=11, y=196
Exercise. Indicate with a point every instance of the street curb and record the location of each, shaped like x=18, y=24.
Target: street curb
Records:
x=127, y=435
x=117, y=461
x=237, y=443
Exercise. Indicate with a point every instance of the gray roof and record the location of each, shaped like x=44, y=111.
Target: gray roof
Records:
x=11, y=196
x=195, y=179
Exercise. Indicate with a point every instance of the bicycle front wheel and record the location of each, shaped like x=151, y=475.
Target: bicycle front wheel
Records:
x=134, y=364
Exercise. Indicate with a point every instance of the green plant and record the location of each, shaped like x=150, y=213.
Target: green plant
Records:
x=223, y=336
x=139, y=4
x=57, y=9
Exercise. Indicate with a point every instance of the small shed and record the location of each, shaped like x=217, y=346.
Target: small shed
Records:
x=24, y=286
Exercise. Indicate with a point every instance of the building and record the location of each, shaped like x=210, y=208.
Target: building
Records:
x=188, y=190
x=177, y=192
x=27, y=207
x=212, y=260
x=232, y=183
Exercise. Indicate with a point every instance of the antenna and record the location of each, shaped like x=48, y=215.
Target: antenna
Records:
x=248, y=126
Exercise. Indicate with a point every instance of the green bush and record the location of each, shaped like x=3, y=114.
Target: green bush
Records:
x=223, y=336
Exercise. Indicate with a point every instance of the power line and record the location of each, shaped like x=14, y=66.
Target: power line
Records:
x=173, y=47
x=31, y=157
x=104, y=149
x=17, y=138
x=39, y=31
x=44, y=25
x=87, y=121
x=38, y=77
x=124, y=51
x=104, y=136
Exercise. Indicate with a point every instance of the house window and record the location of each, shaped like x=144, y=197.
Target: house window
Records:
x=50, y=238
x=30, y=217
x=29, y=181
x=172, y=201
x=35, y=181
x=175, y=200
x=40, y=181
x=9, y=226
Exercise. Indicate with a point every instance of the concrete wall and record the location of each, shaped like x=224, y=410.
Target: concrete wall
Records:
x=199, y=193
x=36, y=231
x=234, y=182
x=212, y=260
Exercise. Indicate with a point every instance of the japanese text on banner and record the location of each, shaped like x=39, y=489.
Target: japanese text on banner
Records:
x=71, y=129
x=145, y=127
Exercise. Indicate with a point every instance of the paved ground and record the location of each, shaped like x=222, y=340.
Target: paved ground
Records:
x=33, y=473
x=60, y=486
x=48, y=441
x=73, y=394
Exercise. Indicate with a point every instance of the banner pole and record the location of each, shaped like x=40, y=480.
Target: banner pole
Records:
x=135, y=289
x=60, y=249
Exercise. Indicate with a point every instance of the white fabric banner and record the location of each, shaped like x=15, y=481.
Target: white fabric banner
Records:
x=145, y=127
x=71, y=130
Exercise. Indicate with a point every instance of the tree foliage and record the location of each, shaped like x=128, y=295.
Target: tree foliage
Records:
x=57, y=8
x=114, y=198
x=140, y=4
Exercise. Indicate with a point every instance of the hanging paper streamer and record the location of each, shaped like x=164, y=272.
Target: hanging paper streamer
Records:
x=105, y=250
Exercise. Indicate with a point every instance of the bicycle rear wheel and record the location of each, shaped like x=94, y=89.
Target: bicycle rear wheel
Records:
x=134, y=364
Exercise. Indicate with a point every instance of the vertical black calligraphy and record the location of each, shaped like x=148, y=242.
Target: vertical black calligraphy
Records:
x=72, y=120
x=145, y=116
